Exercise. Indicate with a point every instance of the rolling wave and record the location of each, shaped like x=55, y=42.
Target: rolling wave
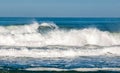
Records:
x=49, y=34
x=48, y=40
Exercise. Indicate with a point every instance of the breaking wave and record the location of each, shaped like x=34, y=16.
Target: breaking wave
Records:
x=48, y=40
x=32, y=35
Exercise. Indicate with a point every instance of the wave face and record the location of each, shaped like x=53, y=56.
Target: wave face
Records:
x=68, y=46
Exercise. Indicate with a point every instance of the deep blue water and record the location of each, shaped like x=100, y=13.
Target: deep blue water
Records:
x=105, y=24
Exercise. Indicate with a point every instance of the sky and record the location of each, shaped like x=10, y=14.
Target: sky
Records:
x=59, y=8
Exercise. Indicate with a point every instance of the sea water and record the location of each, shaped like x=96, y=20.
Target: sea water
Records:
x=59, y=44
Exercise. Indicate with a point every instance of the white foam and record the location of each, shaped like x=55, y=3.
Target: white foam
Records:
x=59, y=52
x=77, y=69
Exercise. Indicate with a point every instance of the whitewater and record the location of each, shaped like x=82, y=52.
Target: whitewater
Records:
x=76, y=42
x=47, y=46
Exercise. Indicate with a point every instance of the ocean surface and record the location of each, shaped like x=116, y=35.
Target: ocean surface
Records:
x=59, y=44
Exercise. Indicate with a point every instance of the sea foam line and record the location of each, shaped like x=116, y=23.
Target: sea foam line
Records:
x=54, y=52
x=76, y=69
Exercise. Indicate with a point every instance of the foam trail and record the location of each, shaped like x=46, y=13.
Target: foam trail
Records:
x=77, y=69
x=51, y=52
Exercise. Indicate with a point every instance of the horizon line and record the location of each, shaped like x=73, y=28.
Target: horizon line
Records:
x=53, y=17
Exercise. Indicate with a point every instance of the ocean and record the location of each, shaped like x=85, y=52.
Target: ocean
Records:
x=59, y=45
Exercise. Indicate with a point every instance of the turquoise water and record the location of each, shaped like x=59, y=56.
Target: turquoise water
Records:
x=59, y=44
